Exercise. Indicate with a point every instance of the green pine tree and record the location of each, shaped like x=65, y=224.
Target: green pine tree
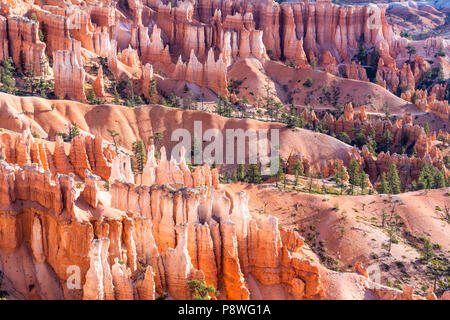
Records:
x=438, y=179
x=90, y=96
x=371, y=142
x=383, y=187
x=339, y=176
x=234, y=176
x=152, y=90
x=298, y=170
x=138, y=149
x=353, y=173
x=363, y=181
x=393, y=179
x=386, y=141
x=298, y=166
x=425, y=180
x=116, y=94
x=114, y=134
x=426, y=127
x=427, y=251
x=254, y=176
x=280, y=173
x=241, y=172
x=73, y=131
x=8, y=83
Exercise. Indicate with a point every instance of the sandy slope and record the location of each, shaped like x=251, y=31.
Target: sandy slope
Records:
x=371, y=95
x=18, y=113
x=353, y=232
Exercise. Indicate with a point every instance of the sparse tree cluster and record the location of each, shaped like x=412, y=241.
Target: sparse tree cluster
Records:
x=390, y=182
x=430, y=177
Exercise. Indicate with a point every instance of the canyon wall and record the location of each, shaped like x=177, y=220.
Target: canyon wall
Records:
x=146, y=240
x=198, y=41
x=85, y=152
x=405, y=136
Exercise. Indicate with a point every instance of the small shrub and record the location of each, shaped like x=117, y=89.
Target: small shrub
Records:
x=163, y=296
x=200, y=291
x=308, y=82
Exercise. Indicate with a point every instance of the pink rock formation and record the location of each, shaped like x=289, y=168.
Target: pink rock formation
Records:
x=211, y=74
x=99, y=85
x=90, y=191
x=355, y=71
x=121, y=169
x=56, y=30
x=26, y=49
x=150, y=240
x=4, y=48
x=97, y=161
x=85, y=153
x=78, y=156
x=69, y=76
x=98, y=284
x=146, y=286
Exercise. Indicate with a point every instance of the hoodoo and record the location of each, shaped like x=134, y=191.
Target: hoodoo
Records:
x=224, y=149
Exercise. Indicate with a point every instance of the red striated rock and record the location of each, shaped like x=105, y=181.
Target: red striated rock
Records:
x=78, y=156
x=99, y=285
x=293, y=46
x=360, y=269
x=4, y=48
x=387, y=75
x=291, y=240
x=178, y=268
x=385, y=293
x=331, y=168
x=328, y=62
x=157, y=51
x=56, y=30
x=147, y=77
x=69, y=76
x=85, y=153
x=407, y=80
x=355, y=71
x=121, y=277
x=97, y=160
x=104, y=16
x=325, y=24
x=215, y=178
x=439, y=91
x=90, y=191
x=445, y=295
x=146, y=286
x=60, y=158
x=232, y=277
x=211, y=74
x=169, y=236
x=130, y=58
x=26, y=49
x=99, y=85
